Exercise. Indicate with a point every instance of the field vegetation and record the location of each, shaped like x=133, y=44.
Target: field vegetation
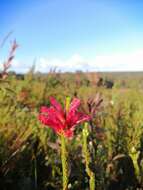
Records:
x=110, y=146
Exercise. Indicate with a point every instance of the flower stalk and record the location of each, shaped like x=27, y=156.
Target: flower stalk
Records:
x=86, y=156
x=63, y=122
x=64, y=156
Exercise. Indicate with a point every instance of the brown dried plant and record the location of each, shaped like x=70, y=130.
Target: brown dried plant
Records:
x=7, y=63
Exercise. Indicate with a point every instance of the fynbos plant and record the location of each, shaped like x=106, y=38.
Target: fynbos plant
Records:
x=63, y=122
x=7, y=63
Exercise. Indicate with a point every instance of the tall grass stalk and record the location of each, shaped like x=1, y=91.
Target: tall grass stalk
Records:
x=86, y=156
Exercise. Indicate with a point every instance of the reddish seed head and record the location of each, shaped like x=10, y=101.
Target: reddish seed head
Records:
x=62, y=121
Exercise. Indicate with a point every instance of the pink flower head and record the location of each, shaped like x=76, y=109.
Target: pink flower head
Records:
x=61, y=120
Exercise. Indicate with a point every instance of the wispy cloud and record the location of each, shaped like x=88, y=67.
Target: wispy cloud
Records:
x=20, y=66
x=132, y=61
x=75, y=62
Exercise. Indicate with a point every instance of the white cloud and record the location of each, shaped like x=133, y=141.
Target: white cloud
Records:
x=20, y=66
x=113, y=62
x=121, y=62
x=132, y=61
x=1, y=65
x=75, y=62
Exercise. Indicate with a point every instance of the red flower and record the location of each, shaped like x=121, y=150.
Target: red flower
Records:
x=62, y=121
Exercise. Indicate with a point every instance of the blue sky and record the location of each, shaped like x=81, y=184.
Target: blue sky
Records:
x=74, y=34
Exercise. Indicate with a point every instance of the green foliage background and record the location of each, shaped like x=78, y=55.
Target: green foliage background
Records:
x=29, y=152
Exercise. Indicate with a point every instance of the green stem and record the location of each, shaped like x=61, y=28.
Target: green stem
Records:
x=92, y=181
x=64, y=163
x=86, y=155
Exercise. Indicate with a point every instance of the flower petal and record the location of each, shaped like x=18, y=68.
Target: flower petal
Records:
x=51, y=123
x=68, y=133
x=44, y=109
x=52, y=118
x=55, y=118
x=82, y=118
x=74, y=105
x=71, y=116
x=77, y=118
x=56, y=105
